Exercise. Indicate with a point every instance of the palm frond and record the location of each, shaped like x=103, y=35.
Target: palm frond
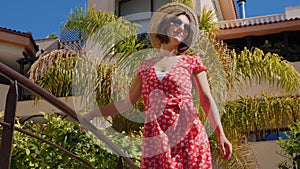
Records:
x=207, y=21
x=54, y=71
x=253, y=65
x=88, y=21
x=254, y=115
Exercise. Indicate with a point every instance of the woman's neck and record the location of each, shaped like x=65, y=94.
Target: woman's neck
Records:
x=169, y=48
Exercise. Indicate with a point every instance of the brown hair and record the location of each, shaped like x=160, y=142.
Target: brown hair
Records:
x=164, y=27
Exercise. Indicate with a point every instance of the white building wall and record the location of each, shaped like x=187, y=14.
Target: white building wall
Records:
x=208, y=4
x=200, y=4
x=105, y=5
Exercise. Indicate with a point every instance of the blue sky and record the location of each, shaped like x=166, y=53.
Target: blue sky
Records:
x=42, y=18
x=268, y=7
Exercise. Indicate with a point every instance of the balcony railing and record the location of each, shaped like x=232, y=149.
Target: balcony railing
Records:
x=251, y=21
x=8, y=124
x=72, y=44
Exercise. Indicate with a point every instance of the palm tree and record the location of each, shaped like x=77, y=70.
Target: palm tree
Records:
x=111, y=40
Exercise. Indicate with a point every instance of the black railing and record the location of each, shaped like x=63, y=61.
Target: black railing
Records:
x=16, y=80
x=76, y=45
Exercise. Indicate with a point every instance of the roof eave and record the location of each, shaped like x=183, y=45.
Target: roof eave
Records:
x=259, y=29
x=20, y=39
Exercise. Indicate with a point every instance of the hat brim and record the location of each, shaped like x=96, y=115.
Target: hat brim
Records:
x=164, y=10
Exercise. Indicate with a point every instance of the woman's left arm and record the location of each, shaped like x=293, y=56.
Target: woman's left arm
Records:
x=210, y=108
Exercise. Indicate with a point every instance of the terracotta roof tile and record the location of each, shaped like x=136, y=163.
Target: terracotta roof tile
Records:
x=261, y=23
x=14, y=31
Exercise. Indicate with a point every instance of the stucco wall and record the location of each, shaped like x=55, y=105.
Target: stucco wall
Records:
x=3, y=93
x=29, y=107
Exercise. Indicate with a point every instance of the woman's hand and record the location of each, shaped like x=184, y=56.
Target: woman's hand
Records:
x=92, y=114
x=225, y=146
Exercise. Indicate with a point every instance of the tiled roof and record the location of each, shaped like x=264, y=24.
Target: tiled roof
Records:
x=15, y=31
x=257, y=26
x=259, y=23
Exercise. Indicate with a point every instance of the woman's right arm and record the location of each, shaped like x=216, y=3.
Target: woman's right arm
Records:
x=124, y=105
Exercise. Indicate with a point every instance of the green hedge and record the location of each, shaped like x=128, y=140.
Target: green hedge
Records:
x=29, y=152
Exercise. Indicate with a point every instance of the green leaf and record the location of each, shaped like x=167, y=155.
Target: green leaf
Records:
x=27, y=151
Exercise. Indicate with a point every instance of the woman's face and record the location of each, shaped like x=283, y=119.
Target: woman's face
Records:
x=179, y=28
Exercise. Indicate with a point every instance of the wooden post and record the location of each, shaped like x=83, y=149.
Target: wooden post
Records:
x=8, y=131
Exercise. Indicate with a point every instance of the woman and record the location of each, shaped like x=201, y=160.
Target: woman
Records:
x=173, y=135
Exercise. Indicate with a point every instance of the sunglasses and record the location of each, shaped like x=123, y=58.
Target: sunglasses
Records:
x=177, y=22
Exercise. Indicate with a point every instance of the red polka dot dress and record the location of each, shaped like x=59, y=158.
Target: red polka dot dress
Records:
x=173, y=137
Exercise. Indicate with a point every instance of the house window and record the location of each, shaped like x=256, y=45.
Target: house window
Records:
x=139, y=11
x=130, y=7
x=159, y=3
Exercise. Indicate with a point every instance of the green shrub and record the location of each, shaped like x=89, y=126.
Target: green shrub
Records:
x=29, y=152
x=291, y=148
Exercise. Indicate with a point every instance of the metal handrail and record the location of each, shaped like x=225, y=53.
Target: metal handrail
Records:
x=47, y=96
x=48, y=142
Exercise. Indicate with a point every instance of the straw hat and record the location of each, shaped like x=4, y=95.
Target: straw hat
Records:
x=168, y=9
